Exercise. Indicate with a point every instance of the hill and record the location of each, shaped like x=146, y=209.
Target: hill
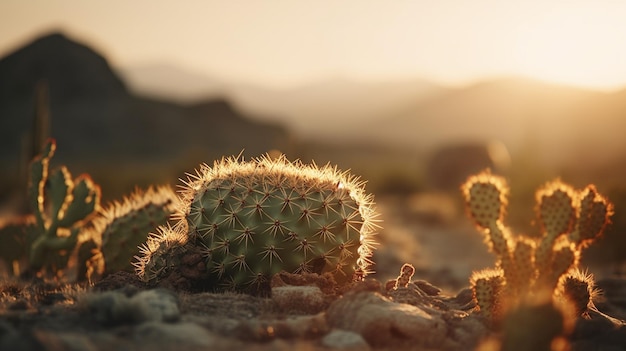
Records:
x=329, y=109
x=563, y=124
x=101, y=127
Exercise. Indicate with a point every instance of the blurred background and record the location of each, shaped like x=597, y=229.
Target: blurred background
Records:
x=413, y=96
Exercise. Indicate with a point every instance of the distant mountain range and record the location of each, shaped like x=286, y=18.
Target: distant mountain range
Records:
x=559, y=124
x=101, y=126
x=320, y=110
x=145, y=119
x=562, y=124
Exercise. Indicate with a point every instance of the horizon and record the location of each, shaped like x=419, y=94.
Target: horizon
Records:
x=284, y=45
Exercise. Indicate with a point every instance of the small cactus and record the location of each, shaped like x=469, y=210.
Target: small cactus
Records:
x=578, y=289
x=488, y=287
x=60, y=205
x=570, y=220
x=253, y=219
x=123, y=226
x=406, y=273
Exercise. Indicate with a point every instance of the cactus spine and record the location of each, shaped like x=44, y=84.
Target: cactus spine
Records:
x=253, y=219
x=570, y=220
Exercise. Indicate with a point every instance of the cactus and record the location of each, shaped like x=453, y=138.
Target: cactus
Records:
x=570, y=220
x=404, y=279
x=488, y=287
x=578, y=289
x=250, y=220
x=60, y=205
x=123, y=226
x=536, y=324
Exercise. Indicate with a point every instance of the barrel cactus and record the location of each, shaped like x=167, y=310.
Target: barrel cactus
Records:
x=250, y=220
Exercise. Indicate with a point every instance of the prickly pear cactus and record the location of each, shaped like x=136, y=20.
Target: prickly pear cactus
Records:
x=60, y=205
x=569, y=220
x=124, y=226
x=253, y=219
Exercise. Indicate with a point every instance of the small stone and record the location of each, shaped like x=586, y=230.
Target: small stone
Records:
x=157, y=305
x=382, y=322
x=114, y=307
x=427, y=287
x=168, y=334
x=343, y=339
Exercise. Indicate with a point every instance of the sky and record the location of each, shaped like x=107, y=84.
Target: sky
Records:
x=292, y=42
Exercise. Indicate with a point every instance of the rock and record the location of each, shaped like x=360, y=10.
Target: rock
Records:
x=465, y=331
x=180, y=334
x=427, y=287
x=382, y=322
x=325, y=282
x=343, y=339
x=114, y=307
x=157, y=305
x=292, y=328
x=299, y=299
x=65, y=341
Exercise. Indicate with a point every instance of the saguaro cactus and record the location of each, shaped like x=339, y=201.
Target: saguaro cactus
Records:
x=253, y=219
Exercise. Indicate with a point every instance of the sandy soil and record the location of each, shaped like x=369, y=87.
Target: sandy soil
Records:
x=119, y=313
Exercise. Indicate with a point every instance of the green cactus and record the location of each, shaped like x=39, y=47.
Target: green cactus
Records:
x=123, y=226
x=253, y=219
x=569, y=220
x=60, y=205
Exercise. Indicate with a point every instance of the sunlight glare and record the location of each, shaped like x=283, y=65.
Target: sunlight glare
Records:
x=571, y=45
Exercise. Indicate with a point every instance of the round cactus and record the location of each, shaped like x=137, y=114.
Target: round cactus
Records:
x=253, y=219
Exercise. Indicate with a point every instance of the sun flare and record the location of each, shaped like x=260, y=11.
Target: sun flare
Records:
x=570, y=45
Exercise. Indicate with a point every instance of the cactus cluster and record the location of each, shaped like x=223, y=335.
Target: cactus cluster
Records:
x=570, y=220
x=68, y=227
x=248, y=220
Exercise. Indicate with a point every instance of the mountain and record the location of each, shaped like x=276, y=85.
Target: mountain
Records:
x=333, y=109
x=171, y=82
x=564, y=123
x=328, y=109
x=110, y=132
x=73, y=71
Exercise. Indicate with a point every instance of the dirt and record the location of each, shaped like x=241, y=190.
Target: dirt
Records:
x=434, y=312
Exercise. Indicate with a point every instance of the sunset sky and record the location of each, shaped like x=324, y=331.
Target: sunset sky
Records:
x=287, y=43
